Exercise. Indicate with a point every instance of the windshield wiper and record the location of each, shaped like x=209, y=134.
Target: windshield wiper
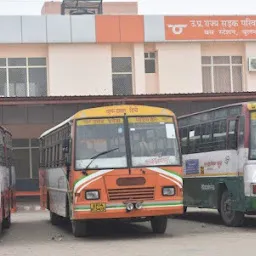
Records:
x=95, y=157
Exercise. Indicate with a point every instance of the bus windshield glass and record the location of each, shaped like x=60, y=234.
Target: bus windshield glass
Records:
x=253, y=136
x=153, y=141
x=94, y=136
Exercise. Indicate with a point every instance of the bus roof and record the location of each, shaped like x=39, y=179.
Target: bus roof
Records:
x=115, y=110
x=247, y=103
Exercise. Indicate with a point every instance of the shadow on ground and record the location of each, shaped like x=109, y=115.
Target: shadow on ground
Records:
x=41, y=231
x=214, y=218
x=29, y=228
x=114, y=229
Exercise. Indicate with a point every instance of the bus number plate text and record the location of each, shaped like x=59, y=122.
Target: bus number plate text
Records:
x=98, y=207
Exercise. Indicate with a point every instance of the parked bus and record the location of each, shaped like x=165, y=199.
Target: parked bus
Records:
x=113, y=162
x=6, y=179
x=219, y=160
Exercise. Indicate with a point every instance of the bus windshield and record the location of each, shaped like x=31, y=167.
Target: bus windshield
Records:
x=94, y=136
x=253, y=136
x=153, y=141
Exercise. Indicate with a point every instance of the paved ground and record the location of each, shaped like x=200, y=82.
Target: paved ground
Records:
x=199, y=233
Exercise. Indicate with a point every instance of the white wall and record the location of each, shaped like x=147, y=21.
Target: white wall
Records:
x=76, y=69
x=179, y=67
x=139, y=69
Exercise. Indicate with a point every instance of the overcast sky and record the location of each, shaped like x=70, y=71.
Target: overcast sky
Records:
x=33, y=7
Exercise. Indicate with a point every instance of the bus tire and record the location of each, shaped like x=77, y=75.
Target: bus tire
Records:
x=79, y=228
x=7, y=221
x=230, y=217
x=54, y=218
x=159, y=224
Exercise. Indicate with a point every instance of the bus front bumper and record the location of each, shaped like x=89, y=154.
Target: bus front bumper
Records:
x=120, y=211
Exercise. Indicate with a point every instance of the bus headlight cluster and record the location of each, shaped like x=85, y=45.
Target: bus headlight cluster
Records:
x=131, y=206
x=168, y=191
x=92, y=195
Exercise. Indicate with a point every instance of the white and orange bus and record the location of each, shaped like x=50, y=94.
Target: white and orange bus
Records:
x=113, y=162
x=6, y=179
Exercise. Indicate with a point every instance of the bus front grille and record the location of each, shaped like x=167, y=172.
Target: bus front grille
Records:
x=131, y=194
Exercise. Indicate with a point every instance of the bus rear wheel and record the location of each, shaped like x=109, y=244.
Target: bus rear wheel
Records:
x=79, y=228
x=229, y=216
x=159, y=224
x=7, y=221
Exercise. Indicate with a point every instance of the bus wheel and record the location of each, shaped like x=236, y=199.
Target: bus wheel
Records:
x=79, y=228
x=230, y=217
x=7, y=221
x=55, y=219
x=159, y=224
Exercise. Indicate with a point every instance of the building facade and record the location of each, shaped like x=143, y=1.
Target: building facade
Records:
x=114, y=57
x=133, y=54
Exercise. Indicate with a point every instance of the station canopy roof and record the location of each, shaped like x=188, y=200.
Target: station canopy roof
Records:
x=122, y=99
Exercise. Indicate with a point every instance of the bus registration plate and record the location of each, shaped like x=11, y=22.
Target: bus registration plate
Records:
x=98, y=207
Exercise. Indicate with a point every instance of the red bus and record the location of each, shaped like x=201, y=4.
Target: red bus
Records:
x=7, y=178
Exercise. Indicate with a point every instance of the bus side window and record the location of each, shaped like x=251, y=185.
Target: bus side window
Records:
x=219, y=135
x=184, y=140
x=49, y=157
x=206, y=131
x=45, y=157
x=197, y=138
x=194, y=139
x=232, y=134
x=241, y=132
x=191, y=135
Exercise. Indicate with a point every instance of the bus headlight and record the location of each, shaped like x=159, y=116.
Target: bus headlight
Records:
x=129, y=207
x=92, y=195
x=168, y=191
x=138, y=205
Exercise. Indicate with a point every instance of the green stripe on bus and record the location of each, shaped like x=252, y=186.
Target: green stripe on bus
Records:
x=81, y=179
x=174, y=173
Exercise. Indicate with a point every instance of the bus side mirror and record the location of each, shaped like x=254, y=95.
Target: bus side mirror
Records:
x=65, y=146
